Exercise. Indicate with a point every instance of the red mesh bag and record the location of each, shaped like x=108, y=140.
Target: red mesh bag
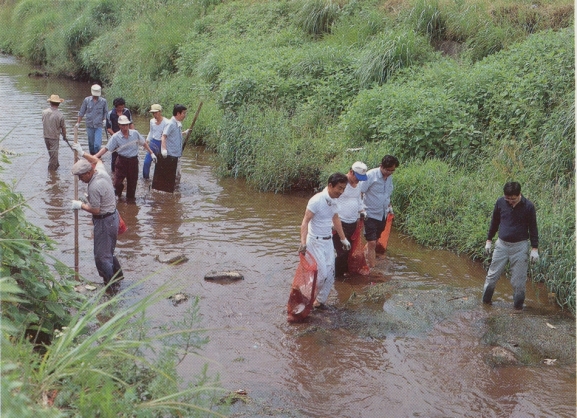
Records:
x=303, y=290
x=121, y=225
x=357, y=262
x=384, y=238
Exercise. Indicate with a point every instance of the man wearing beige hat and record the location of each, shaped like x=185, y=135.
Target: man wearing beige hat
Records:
x=101, y=204
x=95, y=109
x=53, y=124
x=157, y=124
x=126, y=142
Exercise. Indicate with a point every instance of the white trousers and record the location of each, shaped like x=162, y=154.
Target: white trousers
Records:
x=324, y=253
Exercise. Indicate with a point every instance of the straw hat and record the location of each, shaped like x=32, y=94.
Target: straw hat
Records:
x=55, y=99
x=155, y=108
x=96, y=90
x=123, y=120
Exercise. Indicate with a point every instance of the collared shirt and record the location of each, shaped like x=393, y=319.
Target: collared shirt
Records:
x=350, y=204
x=155, y=131
x=173, y=132
x=101, y=191
x=514, y=224
x=95, y=111
x=126, y=147
x=112, y=119
x=377, y=192
x=324, y=208
x=52, y=122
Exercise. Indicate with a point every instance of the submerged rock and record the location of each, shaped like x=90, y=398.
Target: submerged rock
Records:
x=172, y=258
x=223, y=276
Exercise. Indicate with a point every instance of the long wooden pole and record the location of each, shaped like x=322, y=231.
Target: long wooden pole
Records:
x=192, y=125
x=76, y=246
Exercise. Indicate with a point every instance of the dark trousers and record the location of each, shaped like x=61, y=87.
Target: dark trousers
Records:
x=113, y=161
x=341, y=260
x=126, y=168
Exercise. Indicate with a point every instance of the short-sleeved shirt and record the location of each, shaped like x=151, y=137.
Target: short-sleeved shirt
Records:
x=52, y=122
x=155, y=131
x=173, y=132
x=324, y=208
x=350, y=204
x=126, y=147
x=94, y=112
x=101, y=191
x=112, y=119
x=377, y=192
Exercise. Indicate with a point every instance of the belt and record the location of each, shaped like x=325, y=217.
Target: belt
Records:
x=106, y=215
x=128, y=158
x=329, y=237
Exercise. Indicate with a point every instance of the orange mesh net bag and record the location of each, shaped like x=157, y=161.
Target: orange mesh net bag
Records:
x=303, y=290
x=384, y=238
x=357, y=262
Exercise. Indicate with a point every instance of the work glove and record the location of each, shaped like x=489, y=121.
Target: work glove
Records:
x=363, y=215
x=391, y=210
x=83, y=199
x=346, y=244
x=164, y=153
x=488, y=247
x=76, y=204
x=303, y=249
x=77, y=125
x=186, y=132
x=154, y=158
x=534, y=255
x=78, y=148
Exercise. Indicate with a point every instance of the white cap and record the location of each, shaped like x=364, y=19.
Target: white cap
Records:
x=123, y=120
x=96, y=90
x=360, y=170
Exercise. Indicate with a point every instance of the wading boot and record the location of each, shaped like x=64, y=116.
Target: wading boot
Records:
x=488, y=295
x=518, y=303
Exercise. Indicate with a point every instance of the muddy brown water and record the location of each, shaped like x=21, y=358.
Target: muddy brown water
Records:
x=315, y=369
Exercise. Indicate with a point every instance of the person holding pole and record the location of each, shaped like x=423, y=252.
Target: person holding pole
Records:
x=95, y=109
x=112, y=123
x=126, y=142
x=53, y=125
x=157, y=125
x=101, y=204
x=515, y=218
x=171, y=139
x=377, y=190
x=316, y=234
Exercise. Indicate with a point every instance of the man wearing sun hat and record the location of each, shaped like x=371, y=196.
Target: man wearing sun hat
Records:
x=349, y=207
x=95, y=108
x=125, y=142
x=157, y=124
x=101, y=204
x=53, y=124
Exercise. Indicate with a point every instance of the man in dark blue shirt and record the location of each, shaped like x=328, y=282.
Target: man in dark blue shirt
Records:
x=515, y=218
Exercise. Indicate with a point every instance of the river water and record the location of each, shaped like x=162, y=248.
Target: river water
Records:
x=221, y=224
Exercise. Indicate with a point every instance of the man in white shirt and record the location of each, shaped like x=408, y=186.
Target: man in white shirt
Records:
x=316, y=233
x=350, y=207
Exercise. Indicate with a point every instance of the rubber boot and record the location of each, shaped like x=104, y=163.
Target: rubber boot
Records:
x=488, y=295
x=518, y=303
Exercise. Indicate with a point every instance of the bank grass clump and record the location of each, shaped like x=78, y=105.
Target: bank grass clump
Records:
x=316, y=17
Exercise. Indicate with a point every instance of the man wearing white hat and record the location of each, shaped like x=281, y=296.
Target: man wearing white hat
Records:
x=53, y=124
x=126, y=142
x=95, y=109
x=157, y=124
x=350, y=206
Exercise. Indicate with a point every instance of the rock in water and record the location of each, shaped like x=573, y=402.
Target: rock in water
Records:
x=224, y=276
x=172, y=258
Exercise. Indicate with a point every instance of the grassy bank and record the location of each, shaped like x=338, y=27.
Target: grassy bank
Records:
x=467, y=94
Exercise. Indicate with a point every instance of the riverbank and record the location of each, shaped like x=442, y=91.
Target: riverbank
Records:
x=286, y=100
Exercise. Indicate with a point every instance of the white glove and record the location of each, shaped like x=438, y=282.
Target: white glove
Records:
x=76, y=204
x=154, y=158
x=391, y=210
x=303, y=249
x=77, y=125
x=78, y=148
x=83, y=199
x=488, y=247
x=346, y=244
x=534, y=255
x=186, y=132
x=164, y=153
x=363, y=215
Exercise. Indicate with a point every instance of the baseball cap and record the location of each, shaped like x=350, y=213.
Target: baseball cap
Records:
x=360, y=170
x=155, y=108
x=81, y=167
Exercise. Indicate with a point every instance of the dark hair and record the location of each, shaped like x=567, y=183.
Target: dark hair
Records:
x=512, y=188
x=178, y=108
x=118, y=102
x=389, y=161
x=337, y=178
